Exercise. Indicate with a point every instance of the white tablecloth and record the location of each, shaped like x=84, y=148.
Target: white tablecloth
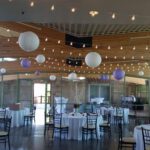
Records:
x=97, y=100
x=17, y=116
x=75, y=124
x=138, y=136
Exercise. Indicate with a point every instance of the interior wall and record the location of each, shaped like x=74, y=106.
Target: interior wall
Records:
x=74, y=91
x=21, y=93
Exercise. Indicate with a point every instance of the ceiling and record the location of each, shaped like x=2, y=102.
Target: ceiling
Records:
x=122, y=42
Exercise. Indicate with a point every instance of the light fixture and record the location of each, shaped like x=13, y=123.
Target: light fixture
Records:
x=40, y=58
x=32, y=4
x=72, y=76
x=133, y=18
x=73, y=10
x=52, y=77
x=113, y=16
x=52, y=7
x=93, y=59
x=28, y=41
x=93, y=13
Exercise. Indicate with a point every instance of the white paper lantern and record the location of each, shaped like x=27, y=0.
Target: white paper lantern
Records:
x=52, y=77
x=40, y=58
x=72, y=76
x=2, y=70
x=93, y=59
x=28, y=41
x=141, y=73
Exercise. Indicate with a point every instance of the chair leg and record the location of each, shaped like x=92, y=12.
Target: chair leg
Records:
x=9, y=143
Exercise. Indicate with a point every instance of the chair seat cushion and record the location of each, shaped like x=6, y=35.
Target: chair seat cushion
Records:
x=128, y=140
x=3, y=133
x=105, y=122
x=89, y=127
x=62, y=126
x=104, y=125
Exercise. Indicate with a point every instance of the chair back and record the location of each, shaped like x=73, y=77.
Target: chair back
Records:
x=57, y=120
x=2, y=113
x=7, y=124
x=91, y=120
x=120, y=112
x=32, y=111
x=146, y=137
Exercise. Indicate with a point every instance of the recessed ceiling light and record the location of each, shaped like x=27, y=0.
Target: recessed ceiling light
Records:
x=73, y=10
x=113, y=16
x=32, y=4
x=133, y=18
x=52, y=7
x=93, y=13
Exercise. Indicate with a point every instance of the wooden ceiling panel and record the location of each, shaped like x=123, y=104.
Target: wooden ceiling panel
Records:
x=129, y=59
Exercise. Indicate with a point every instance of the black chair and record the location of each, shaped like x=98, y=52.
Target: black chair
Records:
x=4, y=134
x=146, y=138
x=125, y=142
x=2, y=117
x=49, y=124
x=119, y=116
x=90, y=127
x=59, y=127
x=30, y=117
x=2, y=114
x=105, y=127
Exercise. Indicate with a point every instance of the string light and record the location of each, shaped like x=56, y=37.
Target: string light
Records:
x=109, y=47
x=46, y=39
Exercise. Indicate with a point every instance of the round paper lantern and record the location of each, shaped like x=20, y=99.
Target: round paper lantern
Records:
x=2, y=70
x=141, y=73
x=25, y=63
x=118, y=74
x=52, y=77
x=37, y=72
x=72, y=76
x=28, y=41
x=104, y=77
x=40, y=58
x=93, y=59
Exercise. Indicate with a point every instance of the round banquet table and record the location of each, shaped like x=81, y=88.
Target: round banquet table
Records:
x=138, y=136
x=18, y=116
x=75, y=122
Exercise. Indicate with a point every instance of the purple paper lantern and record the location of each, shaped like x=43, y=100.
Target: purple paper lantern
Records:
x=118, y=74
x=104, y=77
x=25, y=63
x=37, y=72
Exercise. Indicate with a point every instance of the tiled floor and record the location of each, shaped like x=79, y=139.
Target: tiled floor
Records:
x=31, y=138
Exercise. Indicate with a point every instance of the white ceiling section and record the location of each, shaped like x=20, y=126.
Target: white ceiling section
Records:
x=20, y=10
